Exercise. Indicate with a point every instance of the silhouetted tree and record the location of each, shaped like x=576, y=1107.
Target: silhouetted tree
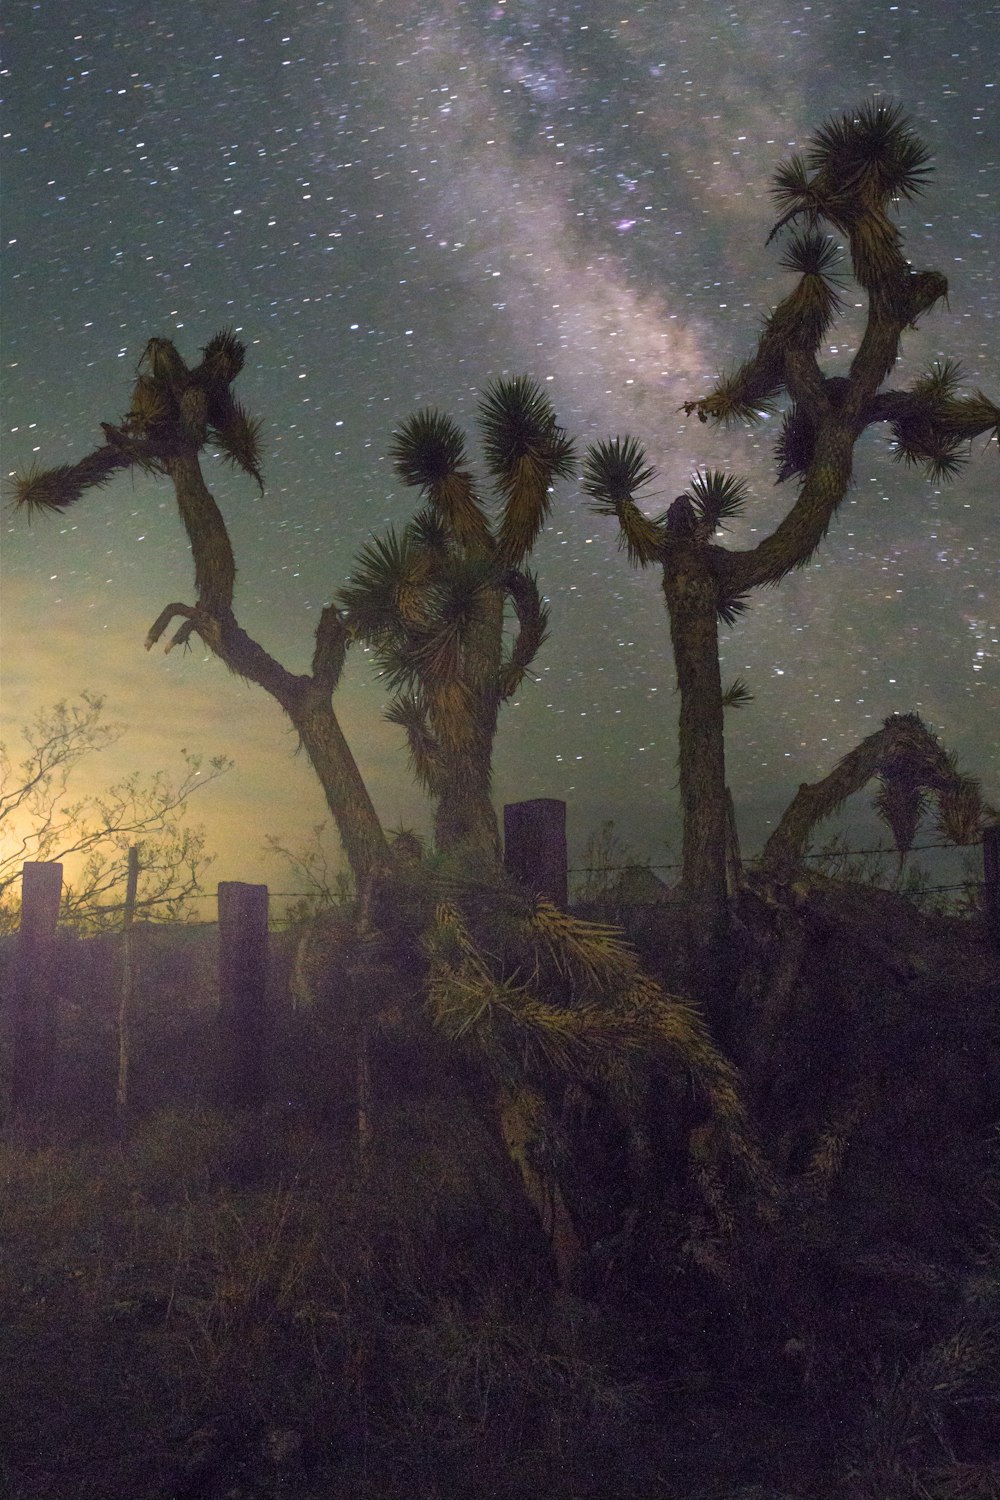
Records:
x=433, y=600
x=855, y=168
x=44, y=817
x=910, y=765
x=175, y=412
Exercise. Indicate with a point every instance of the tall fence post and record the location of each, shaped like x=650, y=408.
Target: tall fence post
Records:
x=34, y=1003
x=734, y=861
x=534, y=836
x=242, y=991
x=128, y=981
x=991, y=879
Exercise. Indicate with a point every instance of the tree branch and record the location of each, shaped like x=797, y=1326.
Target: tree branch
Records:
x=903, y=751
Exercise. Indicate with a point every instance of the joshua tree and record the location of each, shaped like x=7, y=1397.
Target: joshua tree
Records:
x=543, y=999
x=175, y=412
x=433, y=599
x=855, y=168
x=910, y=765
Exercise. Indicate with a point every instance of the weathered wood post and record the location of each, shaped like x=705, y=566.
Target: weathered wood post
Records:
x=734, y=862
x=991, y=879
x=128, y=981
x=242, y=987
x=33, y=1008
x=534, y=836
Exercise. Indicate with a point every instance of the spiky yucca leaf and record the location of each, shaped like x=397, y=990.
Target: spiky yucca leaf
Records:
x=641, y=537
x=940, y=384
x=933, y=426
x=238, y=435
x=223, y=357
x=427, y=448
x=430, y=534
x=449, y=936
x=946, y=462
x=152, y=404
x=801, y=320
x=981, y=414
x=795, y=444
x=790, y=185
x=811, y=254
x=517, y=420
x=901, y=802
x=871, y=148
x=611, y=1018
x=52, y=490
x=594, y=952
x=433, y=651
x=525, y=450
x=718, y=497
x=532, y=628
x=918, y=443
x=730, y=608
x=387, y=592
x=737, y=694
x=746, y=394
x=613, y=471
x=469, y=1000
x=161, y=360
x=456, y=499
x=428, y=451
x=816, y=300
x=961, y=811
x=407, y=845
x=409, y=711
x=461, y=588
x=432, y=655
x=604, y=962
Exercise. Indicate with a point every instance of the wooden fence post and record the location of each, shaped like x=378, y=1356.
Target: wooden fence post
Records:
x=734, y=862
x=34, y=1002
x=128, y=981
x=991, y=879
x=534, y=836
x=242, y=989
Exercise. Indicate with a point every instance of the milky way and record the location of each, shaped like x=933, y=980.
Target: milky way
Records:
x=394, y=203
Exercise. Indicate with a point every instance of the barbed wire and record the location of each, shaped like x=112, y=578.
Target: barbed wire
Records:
x=754, y=859
x=605, y=869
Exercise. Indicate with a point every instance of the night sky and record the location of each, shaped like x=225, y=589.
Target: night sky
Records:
x=394, y=202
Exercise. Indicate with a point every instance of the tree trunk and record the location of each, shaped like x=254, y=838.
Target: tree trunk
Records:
x=464, y=815
x=214, y=567
x=306, y=700
x=346, y=794
x=690, y=590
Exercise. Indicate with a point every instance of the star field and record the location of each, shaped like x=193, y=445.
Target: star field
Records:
x=393, y=203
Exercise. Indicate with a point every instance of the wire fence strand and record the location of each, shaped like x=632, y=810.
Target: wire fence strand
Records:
x=605, y=869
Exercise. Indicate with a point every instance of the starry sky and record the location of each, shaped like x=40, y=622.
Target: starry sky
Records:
x=394, y=202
